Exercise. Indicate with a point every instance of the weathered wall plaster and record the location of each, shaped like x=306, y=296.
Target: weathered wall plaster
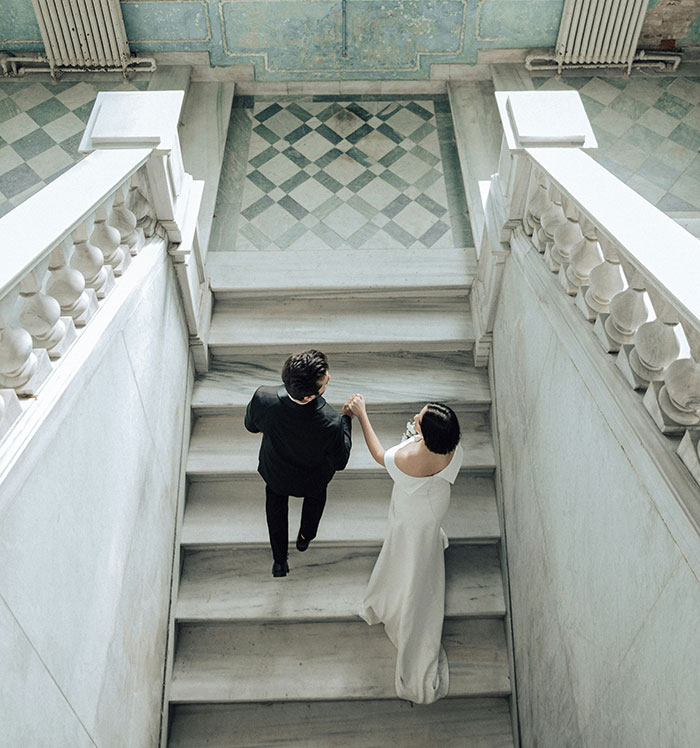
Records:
x=603, y=561
x=87, y=519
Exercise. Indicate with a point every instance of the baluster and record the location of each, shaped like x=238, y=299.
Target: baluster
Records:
x=655, y=347
x=67, y=286
x=22, y=368
x=680, y=402
x=536, y=205
x=141, y=208
x=122, y=219
x=604, y=283
x=565, y=237
x=584, y=257
x=551, y=217
x=89, y=261
x=41, y=317
x=628, y=311
x=108, y=240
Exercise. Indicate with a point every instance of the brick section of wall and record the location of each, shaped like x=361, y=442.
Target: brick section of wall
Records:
x=668, y=22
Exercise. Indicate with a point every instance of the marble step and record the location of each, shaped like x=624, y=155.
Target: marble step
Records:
x=264, y=326
x=323, y=584
x=449, y=723
x=236, y=275
x=218, y=663
x=232, y=513
x=220, y=446
x=389, y=381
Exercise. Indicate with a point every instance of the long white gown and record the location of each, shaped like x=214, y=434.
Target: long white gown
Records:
x=406, y=591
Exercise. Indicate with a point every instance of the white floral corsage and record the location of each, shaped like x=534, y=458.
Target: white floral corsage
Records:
x=410, y=431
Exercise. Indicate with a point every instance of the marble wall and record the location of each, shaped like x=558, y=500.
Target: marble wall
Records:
x=87, y=518
x=603, y=561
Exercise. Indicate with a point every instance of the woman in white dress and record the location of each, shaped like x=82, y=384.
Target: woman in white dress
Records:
x=406, y=591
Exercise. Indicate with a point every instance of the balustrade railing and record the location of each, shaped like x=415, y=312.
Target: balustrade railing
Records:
x=633, y=272
x=64, y=249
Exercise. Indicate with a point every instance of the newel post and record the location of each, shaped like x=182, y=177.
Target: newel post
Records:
x=516, y=197
x=150, y=119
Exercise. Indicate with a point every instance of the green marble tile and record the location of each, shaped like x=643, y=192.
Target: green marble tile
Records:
x=360, y=133
x=328, y=158
x=258, y=207
x=299, y=111
x=8, y=109
x=423, y=155
x=294, y=181
x=396, y=206
x=362, y=235
x=392, y=156
x=420, y=111
x=686, y=136
x=268, y=112
x=254, y=236
x=592, y=107
x=293, y=208
x=263, y=157
x=18, y=180
x=361, y=181
x=394, y=180
x=261, y=181
x=673, y=105
x=243, y=102
x=363, y=207
x=33, y=144
x=295, y=157
x=83, y=112
x=265, y=133
x=360, y=156
x=671, y=203
x=291, y=235
x=435, y=232
x=327, y=235
x=389, y=132
x=71, y=145
x=396, y=232
x=356, y=109
x=422, y=132
x=328, y=112
x=47, y=111
x=629, y=106
x=326, y=208
x=297, y=134
x=429, y=204
x=659, y=173
x=327, y=181
x=427, y=180
x=643, y=138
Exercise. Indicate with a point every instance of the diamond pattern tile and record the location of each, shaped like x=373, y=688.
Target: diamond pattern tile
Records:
x=356, y=173
x=648, y=132
x=41, y=124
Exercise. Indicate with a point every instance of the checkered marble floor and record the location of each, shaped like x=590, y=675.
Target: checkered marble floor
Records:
x=648, y=132
x=349, y=174
x=41, y=124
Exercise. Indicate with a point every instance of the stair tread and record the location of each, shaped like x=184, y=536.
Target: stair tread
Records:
x=335, y=660
x=262, y=326
x=389, y=381
x=323, y=584
x=221, y=446
x=233, y=512
x=449, y=723
x=278, y=272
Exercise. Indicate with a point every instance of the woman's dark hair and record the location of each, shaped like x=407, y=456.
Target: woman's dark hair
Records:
x=303, y=372
x=440, y=428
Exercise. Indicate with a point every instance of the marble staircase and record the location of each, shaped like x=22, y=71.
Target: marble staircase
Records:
x=262, y=661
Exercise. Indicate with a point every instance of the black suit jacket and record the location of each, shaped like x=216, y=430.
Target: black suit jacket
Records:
x=302, y=445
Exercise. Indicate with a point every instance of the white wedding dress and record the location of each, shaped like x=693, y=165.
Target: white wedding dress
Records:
x=406, y=591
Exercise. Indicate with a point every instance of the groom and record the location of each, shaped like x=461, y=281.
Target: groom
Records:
x=304, y=442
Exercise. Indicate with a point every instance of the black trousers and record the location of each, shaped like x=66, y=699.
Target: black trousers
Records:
x=277, y=511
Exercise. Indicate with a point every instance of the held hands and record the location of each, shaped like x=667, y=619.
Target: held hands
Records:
x=355, y=406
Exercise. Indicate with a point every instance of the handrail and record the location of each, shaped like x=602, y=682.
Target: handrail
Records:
x=39, y=224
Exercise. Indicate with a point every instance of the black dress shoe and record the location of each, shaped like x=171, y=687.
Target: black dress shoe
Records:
x=280, y=570
x=302, y=544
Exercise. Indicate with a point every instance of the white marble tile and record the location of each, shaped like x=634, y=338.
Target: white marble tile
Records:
x=31, y=96
x=685, y=89
x=9, y=158
x=17, y=127
x=658, y=121
x=600, y=91
x=77, y=95
x=646, y=189
x=613, y=122
x=35, y=712
x=46, y=164
x=688, y=189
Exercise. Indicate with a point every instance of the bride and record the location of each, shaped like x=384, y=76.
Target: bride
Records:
x=406, y=591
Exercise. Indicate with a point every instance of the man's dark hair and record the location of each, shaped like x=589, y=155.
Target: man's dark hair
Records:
x=440, y=428
x=303, y=372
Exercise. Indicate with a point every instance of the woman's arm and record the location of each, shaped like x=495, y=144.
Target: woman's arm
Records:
x=356, y=405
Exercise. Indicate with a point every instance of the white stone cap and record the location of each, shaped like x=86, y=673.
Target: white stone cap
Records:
x=542, y=119
x=133, y=119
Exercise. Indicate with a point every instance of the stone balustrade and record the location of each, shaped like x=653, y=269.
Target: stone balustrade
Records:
x=631, y=271
x=66, y=247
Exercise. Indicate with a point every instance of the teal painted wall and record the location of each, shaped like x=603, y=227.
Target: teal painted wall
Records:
x=302, y=39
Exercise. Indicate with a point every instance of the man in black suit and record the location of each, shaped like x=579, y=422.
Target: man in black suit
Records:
x=304, y=442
